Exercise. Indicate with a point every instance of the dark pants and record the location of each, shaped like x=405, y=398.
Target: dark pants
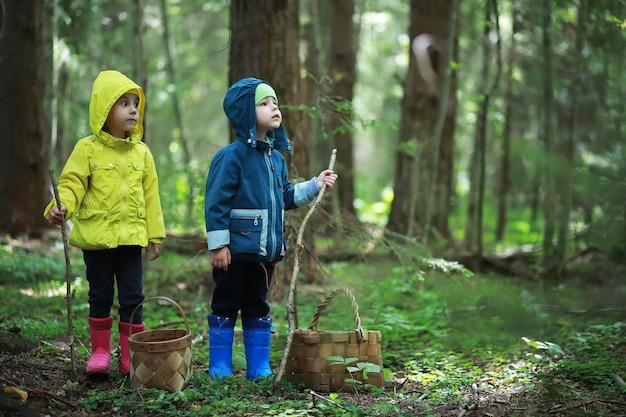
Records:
x=243, y=287
x=121, y=265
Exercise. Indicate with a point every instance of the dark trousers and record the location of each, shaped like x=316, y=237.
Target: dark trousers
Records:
x=121, y=265
x=242, y=288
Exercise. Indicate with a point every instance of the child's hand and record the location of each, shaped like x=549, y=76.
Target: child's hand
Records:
x=327, y=177
x=56, y=216
x=220, y=258
x=155, y=248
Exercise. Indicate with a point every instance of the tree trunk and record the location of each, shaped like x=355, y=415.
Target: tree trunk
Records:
x=314, y=62
x=549, y=201
x=342, y=69
x=474, y=234
x=440, y=190
x=265, y=44
x=477, y=165
x=567, y=184
x=419, y=110
x=504, y=179
x=265, y=39
x=140, y=64
x=25, y=48
x=183, y=139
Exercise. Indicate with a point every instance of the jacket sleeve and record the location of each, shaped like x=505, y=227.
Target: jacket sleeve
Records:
x=221, y=186
x=73, y=181
x=300, y=194
x=154, y=211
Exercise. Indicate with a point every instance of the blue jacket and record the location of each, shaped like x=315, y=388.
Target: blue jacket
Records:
x=248, y=189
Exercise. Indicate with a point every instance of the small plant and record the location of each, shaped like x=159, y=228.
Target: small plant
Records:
x=553, y=349
x=364, y=367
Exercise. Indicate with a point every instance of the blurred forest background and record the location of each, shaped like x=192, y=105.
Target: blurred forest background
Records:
x=501, y=125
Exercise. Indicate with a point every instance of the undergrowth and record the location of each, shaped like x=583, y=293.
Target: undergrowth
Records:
x=446, y=336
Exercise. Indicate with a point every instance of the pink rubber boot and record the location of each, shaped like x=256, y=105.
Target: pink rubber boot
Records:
x=100, y=332
x=124, y=366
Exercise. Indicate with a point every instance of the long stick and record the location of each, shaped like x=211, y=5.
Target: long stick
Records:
x=68, y=272
x=291, y=310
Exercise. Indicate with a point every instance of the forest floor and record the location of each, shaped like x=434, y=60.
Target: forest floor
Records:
x=490, y=372
x=54, y=390
x=43, y=373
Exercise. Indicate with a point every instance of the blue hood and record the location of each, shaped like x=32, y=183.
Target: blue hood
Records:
x=240, y=109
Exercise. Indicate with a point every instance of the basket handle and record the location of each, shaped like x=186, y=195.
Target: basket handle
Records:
x=158, y=297
x=355, y=310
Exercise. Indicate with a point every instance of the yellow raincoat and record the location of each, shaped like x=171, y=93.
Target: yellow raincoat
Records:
x=109, y=185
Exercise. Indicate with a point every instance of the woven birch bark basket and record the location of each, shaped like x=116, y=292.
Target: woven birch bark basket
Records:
x=307, y=362
x=161, y=358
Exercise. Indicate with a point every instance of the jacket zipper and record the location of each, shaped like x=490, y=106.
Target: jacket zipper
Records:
x=272, y=218
x=124, y=199
x=255, y=219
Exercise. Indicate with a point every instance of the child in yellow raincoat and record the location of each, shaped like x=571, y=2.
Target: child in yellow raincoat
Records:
x=109, y=190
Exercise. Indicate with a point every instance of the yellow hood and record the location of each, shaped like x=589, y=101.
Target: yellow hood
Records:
x=108, y=86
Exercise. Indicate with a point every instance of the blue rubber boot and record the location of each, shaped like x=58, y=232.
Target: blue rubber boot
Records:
x=256, y=339
x=221, y=331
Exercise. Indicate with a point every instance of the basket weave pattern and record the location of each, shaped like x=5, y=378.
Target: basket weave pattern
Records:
x=161, y=358
x=307, y=363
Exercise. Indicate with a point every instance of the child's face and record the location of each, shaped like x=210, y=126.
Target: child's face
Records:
x=123, y=116
x=268, y=115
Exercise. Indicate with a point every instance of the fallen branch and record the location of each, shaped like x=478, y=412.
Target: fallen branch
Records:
x=50, y=396
x=291, y=310
x=474, y=406
x=321, y=397
x=68, y=273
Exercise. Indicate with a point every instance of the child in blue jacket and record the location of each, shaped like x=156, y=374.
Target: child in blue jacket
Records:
x=247, y=193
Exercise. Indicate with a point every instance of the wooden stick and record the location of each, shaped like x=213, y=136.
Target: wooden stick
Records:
x=321, y=397
x=291, y=310
x=68, y=273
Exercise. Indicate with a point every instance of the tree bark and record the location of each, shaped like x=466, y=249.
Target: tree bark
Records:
x=549, y=201
x=25, y=138
x=419, y=110
x=474, y=229
x=342, y=69
x=504, y=177
x=183, y=139
x=567, y=184
x=314, y=62
x=265, y=39
x=140, y=64
x=265, y=44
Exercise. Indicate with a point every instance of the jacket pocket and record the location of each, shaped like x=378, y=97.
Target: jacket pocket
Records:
x=104, y=178
x=136, y=171
x=141, y=228
x=248, y=232
x=92, y=230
